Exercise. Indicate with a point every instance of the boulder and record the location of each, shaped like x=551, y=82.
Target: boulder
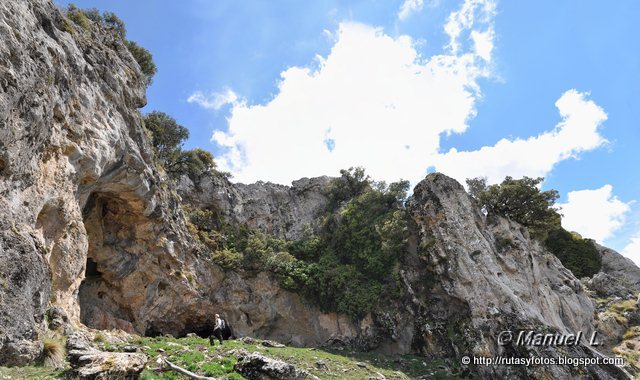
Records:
x=607, y=286
x=620, y=267
x=255, y=366
x=87, y=362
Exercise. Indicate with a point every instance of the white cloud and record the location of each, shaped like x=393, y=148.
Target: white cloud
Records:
x=408, y=7
x=632, y=250
x=483, y=43
x=534, y=156
x=594, y=214
x=464, y=18
x=214, y=100
x=384, y=105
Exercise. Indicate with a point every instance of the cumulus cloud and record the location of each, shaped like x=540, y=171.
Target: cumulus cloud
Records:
x=409, y=7
x=483, y=43
x=372, y=101
x=632, y=250
x=535, y=156
x=594, y=214
x=462, y=20
x=214, y=100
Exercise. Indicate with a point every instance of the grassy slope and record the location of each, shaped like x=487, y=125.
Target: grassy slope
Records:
x=195, y=354
x=16, y=373
x=198, y=356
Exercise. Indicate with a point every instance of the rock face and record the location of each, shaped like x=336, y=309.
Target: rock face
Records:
x=620, y=268
x=255, y=366
x=282, y=211
x=607, y=286
x=494, y=278
x=88, y=224
x=64, y=103
x=89, y=363
x=92, y=231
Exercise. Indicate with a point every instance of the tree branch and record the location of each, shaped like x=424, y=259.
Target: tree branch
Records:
x=185, y=372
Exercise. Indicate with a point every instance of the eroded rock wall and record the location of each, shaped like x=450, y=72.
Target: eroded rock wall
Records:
x=502, y=281
x=65, y=102
x=620, y=267
x=89, y=225
x=283, y=211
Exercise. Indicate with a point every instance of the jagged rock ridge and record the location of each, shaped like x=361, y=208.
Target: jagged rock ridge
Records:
x=91, y=227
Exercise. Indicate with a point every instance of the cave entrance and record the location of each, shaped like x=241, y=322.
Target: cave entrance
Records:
x=112, y=222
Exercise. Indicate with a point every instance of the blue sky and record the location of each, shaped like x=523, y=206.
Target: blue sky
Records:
x=471, y=88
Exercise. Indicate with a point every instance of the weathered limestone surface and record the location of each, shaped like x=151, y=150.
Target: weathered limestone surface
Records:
x=501, y=280
x=88, y=224
x=283, y=211
x=64, y=100
x=91, y=229
x=620, y=268
x=256, y=366
x=89, y=363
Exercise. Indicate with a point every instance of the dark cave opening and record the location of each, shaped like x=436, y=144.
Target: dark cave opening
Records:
x=109, y=221
x=119, y=286
x=91, y=269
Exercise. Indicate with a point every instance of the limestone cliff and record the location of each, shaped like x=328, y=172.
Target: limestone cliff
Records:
x=88, y=223
x=278, y=210
x=71, y=147
x=90, y=227
x=620, y=267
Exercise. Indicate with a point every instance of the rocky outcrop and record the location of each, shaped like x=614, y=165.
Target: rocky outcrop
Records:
x=92, y=230
x=620, y=268
x=77, y=184
x=89, y=363
x=90, y=225
x=606, y=286
x=495, y=279
x=282, y=211
x=256, y=366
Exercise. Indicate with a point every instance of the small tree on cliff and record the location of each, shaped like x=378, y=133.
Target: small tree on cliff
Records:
x=192, y=162
x=87, y=18
x=144, y=59
x=167, y=137
x=522, y=201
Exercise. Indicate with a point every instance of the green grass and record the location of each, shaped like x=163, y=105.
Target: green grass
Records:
x=624, y=306
x=196, y=355
x=32, y=372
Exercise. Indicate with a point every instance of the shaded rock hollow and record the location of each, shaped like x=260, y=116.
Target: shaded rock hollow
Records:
x=89, y=225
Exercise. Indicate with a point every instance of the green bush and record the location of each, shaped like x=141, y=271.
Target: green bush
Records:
x=193, y=163
x=94, y=15
x=522, y=201
x=347, y=267
x=353, y=258
x=228, y=258
x=78, y=17
x=212, y=230
x=308, y=248
x=519, y=200
x=293, y=274
x=86, y=18
x=167, y=136
x=351, y=183
x=111, y=21
x=144, y=59
x=578, y=255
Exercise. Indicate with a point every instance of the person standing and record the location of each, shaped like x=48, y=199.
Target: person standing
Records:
x=218, y=326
